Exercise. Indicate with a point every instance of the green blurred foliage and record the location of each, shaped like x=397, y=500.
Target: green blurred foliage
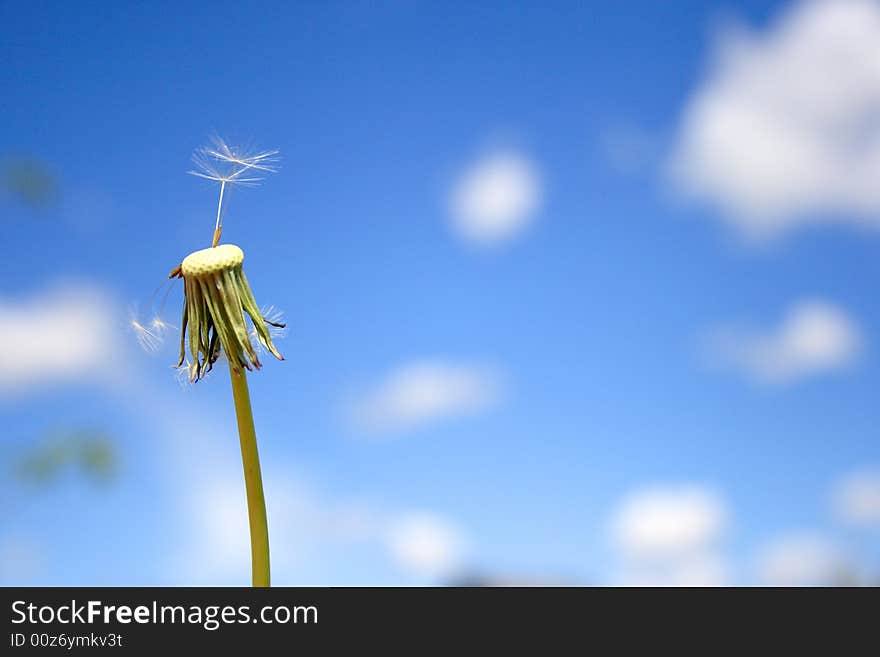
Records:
x=28, y=180
x=90, y=452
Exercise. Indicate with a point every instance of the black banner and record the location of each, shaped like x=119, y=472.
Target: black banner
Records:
x=330, y=619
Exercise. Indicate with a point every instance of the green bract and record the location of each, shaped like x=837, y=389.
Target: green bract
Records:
x=216, y=296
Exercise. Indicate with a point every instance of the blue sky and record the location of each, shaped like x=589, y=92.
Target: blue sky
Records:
x=660, y=362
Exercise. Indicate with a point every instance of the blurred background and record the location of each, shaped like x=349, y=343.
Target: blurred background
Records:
x=577, y=293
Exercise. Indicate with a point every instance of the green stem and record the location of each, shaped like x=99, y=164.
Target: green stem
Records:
x=252, y=478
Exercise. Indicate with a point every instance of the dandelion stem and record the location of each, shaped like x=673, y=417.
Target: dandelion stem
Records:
x=252, y=478
x=218, y=226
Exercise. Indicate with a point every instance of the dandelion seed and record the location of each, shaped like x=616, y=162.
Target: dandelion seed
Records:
x=148, y=338
x=241, y=160
x=274, y=318
x=183, y=374
x=231, y=165
x=159, y=326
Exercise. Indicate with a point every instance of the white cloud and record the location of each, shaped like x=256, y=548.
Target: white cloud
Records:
x=669, y=521
x=697, y=569
x=856, y=498
x=815, y=337
x=421, y=392
x=496, y=198
x=800, y=560
x=785, y=129
x=670, y=536
x=63, y=334
x=221, y=542
x=301, y=523
x=305, y=526
x=426, y=545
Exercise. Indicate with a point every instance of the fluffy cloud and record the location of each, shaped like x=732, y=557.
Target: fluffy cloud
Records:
x=856, y=498
x=306, y=526
x=698, y=569
x=669, y=521
x=63, y=334
x=496, y=198
x=669, y=536
x=302, y=523
x=785, y=129
x=418, y=393
x=426, y=545
x=221, y=543
x=800, y=560
x=815, y=337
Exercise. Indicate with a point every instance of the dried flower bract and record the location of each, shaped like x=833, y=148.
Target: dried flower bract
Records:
x=217, y=296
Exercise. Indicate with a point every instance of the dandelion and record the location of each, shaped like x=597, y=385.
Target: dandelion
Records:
x=217, y=299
